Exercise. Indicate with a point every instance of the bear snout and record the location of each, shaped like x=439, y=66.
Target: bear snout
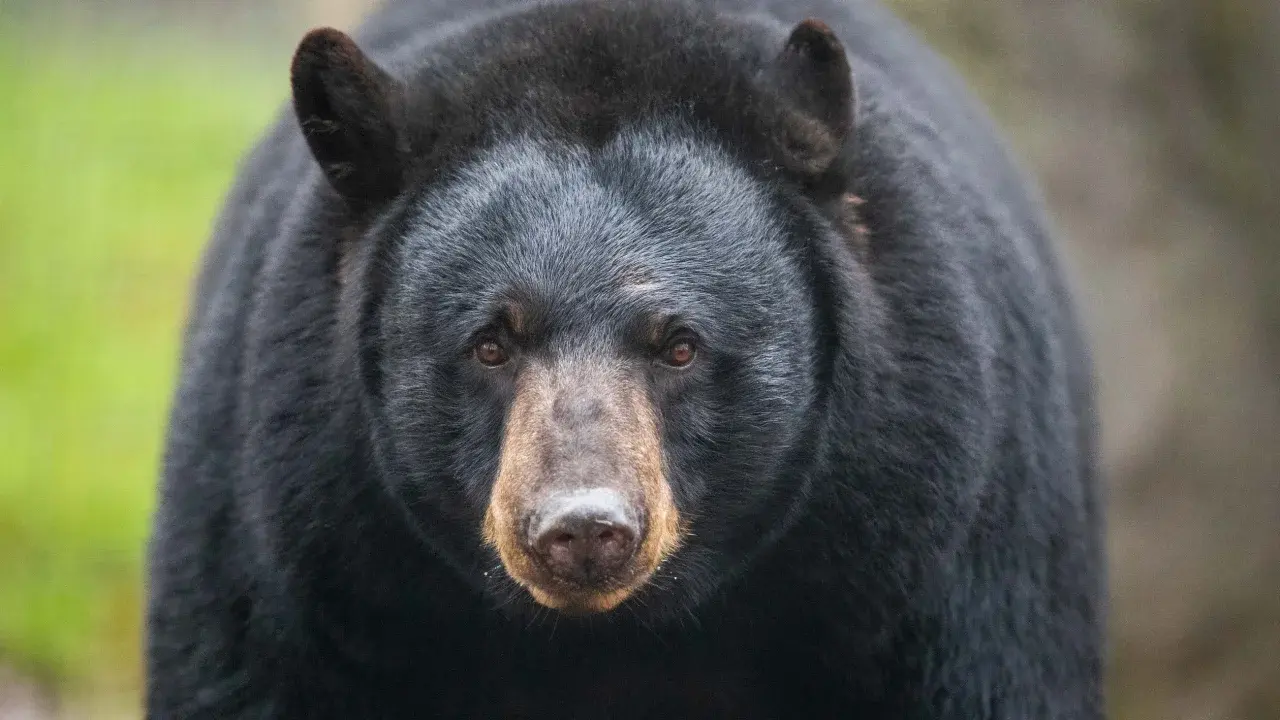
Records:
x=581, y=514
x=586, y=537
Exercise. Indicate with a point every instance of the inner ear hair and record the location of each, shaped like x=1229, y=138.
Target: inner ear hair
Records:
x=852, y=225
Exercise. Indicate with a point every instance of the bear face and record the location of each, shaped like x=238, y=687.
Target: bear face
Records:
x=632, y=321
x=590, y=344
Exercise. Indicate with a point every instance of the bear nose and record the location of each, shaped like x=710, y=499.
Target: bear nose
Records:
x=585, y=537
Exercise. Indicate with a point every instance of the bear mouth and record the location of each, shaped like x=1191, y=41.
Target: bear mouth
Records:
x=581, y=601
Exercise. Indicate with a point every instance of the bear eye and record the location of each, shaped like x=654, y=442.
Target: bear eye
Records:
x=680, y=352
x=490, y=353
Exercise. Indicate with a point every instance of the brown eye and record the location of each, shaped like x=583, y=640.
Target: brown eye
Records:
x=679, y=353
x=490, y=353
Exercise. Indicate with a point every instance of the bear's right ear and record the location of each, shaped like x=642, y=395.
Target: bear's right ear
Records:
x=348, y=108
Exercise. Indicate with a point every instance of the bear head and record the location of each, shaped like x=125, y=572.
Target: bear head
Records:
x=581, y=267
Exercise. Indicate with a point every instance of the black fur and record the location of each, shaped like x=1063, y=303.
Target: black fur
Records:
x=887, y=453
x=348, y=109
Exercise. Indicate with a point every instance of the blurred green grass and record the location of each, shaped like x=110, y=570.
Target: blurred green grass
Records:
x=114, y=157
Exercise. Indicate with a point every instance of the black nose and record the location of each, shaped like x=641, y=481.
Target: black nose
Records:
x=585, y=537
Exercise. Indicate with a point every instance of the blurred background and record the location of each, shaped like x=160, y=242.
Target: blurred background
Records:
x=1154, y=127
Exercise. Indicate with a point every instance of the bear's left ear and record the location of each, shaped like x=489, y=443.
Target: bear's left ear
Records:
x=348, y=109
x=812, y=79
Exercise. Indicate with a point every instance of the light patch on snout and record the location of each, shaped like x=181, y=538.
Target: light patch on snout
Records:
x=574, y=426
x=541, y=519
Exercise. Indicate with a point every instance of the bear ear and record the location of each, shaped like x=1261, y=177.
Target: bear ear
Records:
x=347, y=107
x=811, y=76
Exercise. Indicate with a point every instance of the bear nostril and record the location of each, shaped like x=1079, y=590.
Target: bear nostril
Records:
x=586, y=538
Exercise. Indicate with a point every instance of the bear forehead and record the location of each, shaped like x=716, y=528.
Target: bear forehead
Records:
x=654, y=205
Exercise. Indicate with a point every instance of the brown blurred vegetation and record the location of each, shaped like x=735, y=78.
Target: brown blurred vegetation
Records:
x=1155, y=129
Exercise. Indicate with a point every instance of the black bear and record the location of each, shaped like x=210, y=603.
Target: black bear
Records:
x=629, y=359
